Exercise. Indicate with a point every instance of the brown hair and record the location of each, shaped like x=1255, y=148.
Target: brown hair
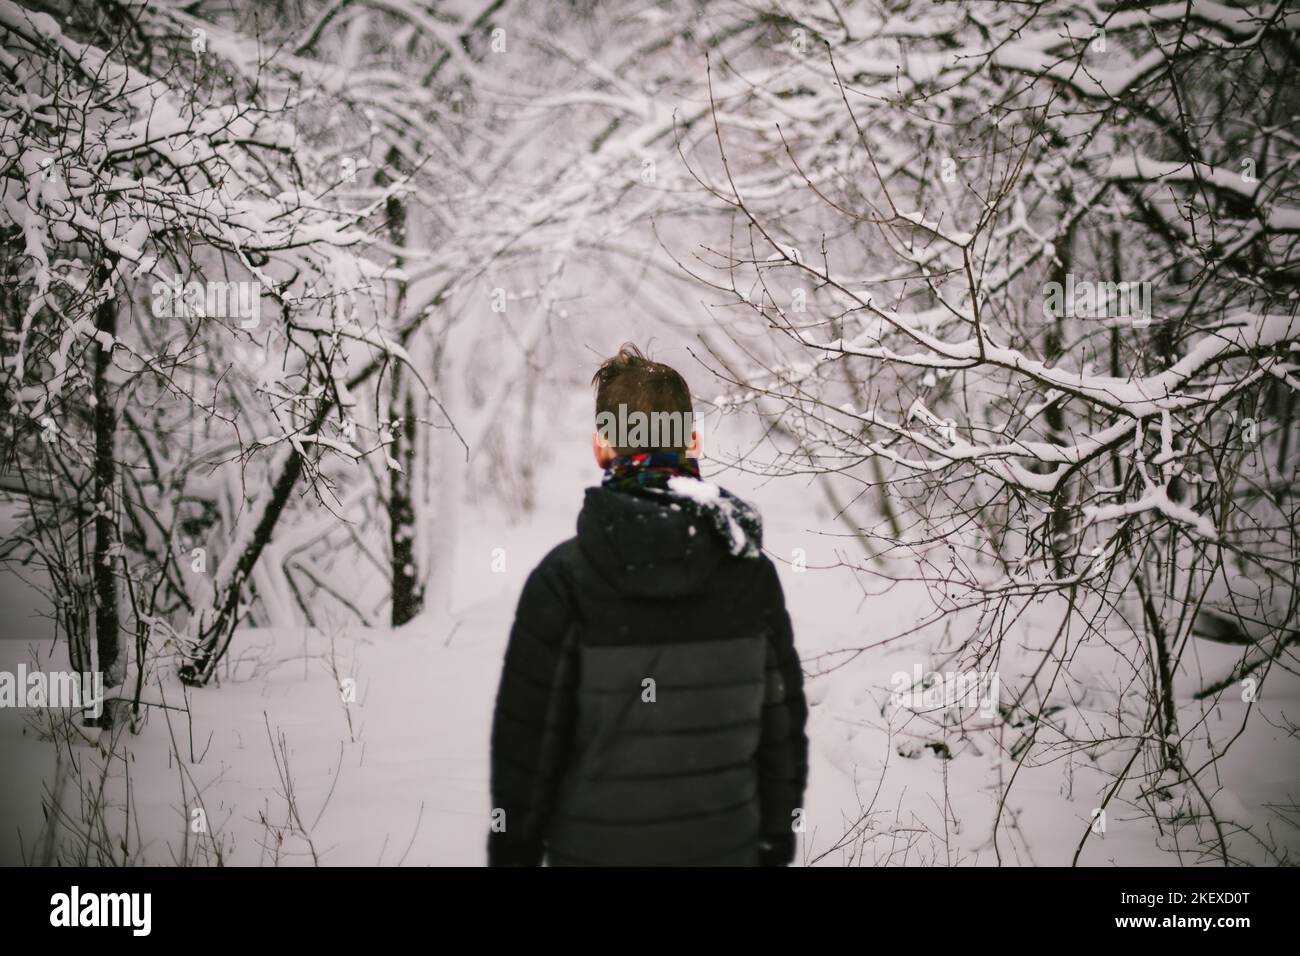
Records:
x=639, y=384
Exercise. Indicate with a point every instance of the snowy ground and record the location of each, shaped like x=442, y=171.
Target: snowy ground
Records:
x=400, y=775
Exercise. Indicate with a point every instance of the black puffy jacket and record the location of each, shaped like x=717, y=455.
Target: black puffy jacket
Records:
x=651, y=707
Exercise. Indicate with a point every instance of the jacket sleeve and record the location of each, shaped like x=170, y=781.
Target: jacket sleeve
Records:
x=532, y=724
x=783, y=744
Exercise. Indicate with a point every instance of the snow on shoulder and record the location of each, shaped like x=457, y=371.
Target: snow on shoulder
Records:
x=693, y=488
x=736, y=521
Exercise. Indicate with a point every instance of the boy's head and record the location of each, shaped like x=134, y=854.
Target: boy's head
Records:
x=641, y=406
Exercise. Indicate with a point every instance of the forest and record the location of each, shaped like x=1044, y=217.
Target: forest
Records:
x=991, y=308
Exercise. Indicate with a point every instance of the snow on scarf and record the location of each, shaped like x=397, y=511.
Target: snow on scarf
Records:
x=674, y=479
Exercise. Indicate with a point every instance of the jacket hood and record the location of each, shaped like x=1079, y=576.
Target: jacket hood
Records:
x=666, y=543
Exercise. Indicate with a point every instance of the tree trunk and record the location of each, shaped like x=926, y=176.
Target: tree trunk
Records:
x=217, y=627
x=407, y=595
x=1058, y=530
x=108, y=635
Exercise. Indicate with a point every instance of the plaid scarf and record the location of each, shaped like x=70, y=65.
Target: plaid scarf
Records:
x=674, y=479
x=649, y=469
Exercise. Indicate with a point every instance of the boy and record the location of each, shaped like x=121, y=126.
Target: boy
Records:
x=651, y=708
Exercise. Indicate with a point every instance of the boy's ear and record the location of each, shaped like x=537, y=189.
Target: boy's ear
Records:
x=693, y=449
x=600, y=447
